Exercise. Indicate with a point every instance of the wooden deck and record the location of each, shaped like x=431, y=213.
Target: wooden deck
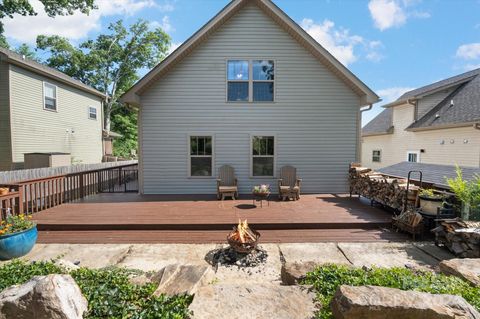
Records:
x=132, y=218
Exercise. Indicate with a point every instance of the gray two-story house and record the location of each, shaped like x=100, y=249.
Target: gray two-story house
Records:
x=45, y=111
x=253, y=90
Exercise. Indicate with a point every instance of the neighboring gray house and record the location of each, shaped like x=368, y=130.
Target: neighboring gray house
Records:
x=45, y=111
x=435, y=124
x=253, y=90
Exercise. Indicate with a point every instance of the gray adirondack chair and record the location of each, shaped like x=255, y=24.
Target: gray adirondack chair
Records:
x=226, y=183
x=288, y=183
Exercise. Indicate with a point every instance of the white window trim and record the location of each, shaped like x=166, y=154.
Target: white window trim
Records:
x=56, y=96
x=380, y=156
x=251, y=80
x=89, y=113
x=189, y=157
x=414, y=152
x=274, y=155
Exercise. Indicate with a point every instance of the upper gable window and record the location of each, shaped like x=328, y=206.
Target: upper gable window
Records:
x=49, y=96
x=250, y=80
x=92, y=113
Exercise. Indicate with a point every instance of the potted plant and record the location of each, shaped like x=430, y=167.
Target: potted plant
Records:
x=468, y=193
x=430, y=201
x=261, y=190
x=18, y=234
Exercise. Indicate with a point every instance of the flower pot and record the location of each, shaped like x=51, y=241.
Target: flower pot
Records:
x=430, y=205
x=17, y=244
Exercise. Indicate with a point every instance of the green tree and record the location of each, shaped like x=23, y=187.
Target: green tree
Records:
x=24, y=49
x=110, y=63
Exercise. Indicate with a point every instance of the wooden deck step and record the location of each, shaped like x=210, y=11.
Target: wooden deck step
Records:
x=216, y=236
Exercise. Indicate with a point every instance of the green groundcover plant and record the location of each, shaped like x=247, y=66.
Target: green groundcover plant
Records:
x=108, y=291
x=326, y=279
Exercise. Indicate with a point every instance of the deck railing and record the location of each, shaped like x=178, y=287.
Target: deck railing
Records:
x=35, y=195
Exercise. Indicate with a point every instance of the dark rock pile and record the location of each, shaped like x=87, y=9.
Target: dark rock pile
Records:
x=228, y=257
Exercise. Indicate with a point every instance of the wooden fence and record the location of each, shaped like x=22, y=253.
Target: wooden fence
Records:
x=34, y=195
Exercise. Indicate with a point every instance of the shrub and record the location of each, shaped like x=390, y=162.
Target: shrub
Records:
x=326, y=279
x=108, y=291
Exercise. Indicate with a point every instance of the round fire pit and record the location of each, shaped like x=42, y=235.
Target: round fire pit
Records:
x=243, y=247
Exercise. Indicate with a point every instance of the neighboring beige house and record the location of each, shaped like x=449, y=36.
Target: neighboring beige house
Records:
x=253, y=90
x=435, y=124
x=44, y=111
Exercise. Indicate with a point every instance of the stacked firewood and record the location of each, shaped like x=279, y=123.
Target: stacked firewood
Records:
x=379, y=188
x=461, y=237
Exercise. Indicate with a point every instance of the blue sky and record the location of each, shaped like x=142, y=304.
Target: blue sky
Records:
x=391, y=45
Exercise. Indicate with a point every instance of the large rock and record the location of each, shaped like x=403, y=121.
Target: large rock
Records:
x=182, y=279
x=44, y=297
x=467, y=269
x=293, y=273
x=381, y=303
x=252, y=300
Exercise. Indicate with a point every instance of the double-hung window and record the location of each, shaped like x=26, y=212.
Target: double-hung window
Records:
x=201, y=158
x=250, y=80
x=92, y=113
x=263, y=156
x=413, y=156
x=49, y=96
x=376, y=156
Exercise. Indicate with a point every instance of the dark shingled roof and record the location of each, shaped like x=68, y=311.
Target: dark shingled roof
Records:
x=432, y=173
x=440, y=84
x=15, y=58
x=381, y=124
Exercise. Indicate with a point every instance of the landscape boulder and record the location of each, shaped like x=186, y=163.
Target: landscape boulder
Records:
x=182, y=279
x=44, y=297
x=388, y=303
x=293, y=273
x=467, y=269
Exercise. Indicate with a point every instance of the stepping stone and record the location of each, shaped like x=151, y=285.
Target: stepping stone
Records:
x=436, y=252
x=467, y=269
x=253, y=300
x=182, y=279
x=293, y=273
x=320, y=253
x=387, y=255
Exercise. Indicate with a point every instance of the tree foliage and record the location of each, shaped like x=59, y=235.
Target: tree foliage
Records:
x=111, y=63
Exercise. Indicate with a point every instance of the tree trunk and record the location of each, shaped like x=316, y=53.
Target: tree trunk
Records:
x=107, y=120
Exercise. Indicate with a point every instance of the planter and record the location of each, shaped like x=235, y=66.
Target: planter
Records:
x=17, y=244
x=430, y=205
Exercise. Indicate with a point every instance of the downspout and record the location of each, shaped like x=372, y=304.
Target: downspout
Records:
x=359, y=134
x=476, y=126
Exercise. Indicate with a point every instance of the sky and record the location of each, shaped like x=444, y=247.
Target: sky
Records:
x=391, y=45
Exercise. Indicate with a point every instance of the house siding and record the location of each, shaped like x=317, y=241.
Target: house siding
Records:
x=395, y=146
x=37, y=130
x=314, y=116
x=5, y=134
x=426, y=103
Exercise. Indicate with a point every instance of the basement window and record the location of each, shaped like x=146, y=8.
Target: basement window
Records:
x=376, y=156
x=413, y=156
x=201, y=156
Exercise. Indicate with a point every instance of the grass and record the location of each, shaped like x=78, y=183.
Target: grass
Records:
x=326, y=279
x=108, y=291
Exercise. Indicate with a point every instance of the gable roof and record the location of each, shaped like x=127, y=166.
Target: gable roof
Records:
x=381, y=124
x=464, y=111
x=17, y=59
x=368, y=96
x=432, y=173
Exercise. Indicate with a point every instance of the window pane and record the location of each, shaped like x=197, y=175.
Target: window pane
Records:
x=256, y=141
x=263, y=70
x=201, y=166
x=262, y=91
x=201, y=146
x=49, y=90
x=238, y=91
x=237, y=70
x=193, y=145
x=262, y=166
x=208, y=146
x=270, y=146
x=50, y=103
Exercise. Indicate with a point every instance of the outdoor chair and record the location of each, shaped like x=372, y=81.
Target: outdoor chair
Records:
x=289, y=184
x=226, y=183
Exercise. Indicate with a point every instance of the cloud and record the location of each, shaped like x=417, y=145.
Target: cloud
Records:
x=394, y=13
x=73, y=27
x=391, y=94
x=469, y=51
x=166, y=25
x=338, y=41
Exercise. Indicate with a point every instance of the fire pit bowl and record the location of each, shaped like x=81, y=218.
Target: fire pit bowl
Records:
x=243, y=247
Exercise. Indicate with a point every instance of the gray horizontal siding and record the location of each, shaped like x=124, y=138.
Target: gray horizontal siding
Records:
x=313, y=117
